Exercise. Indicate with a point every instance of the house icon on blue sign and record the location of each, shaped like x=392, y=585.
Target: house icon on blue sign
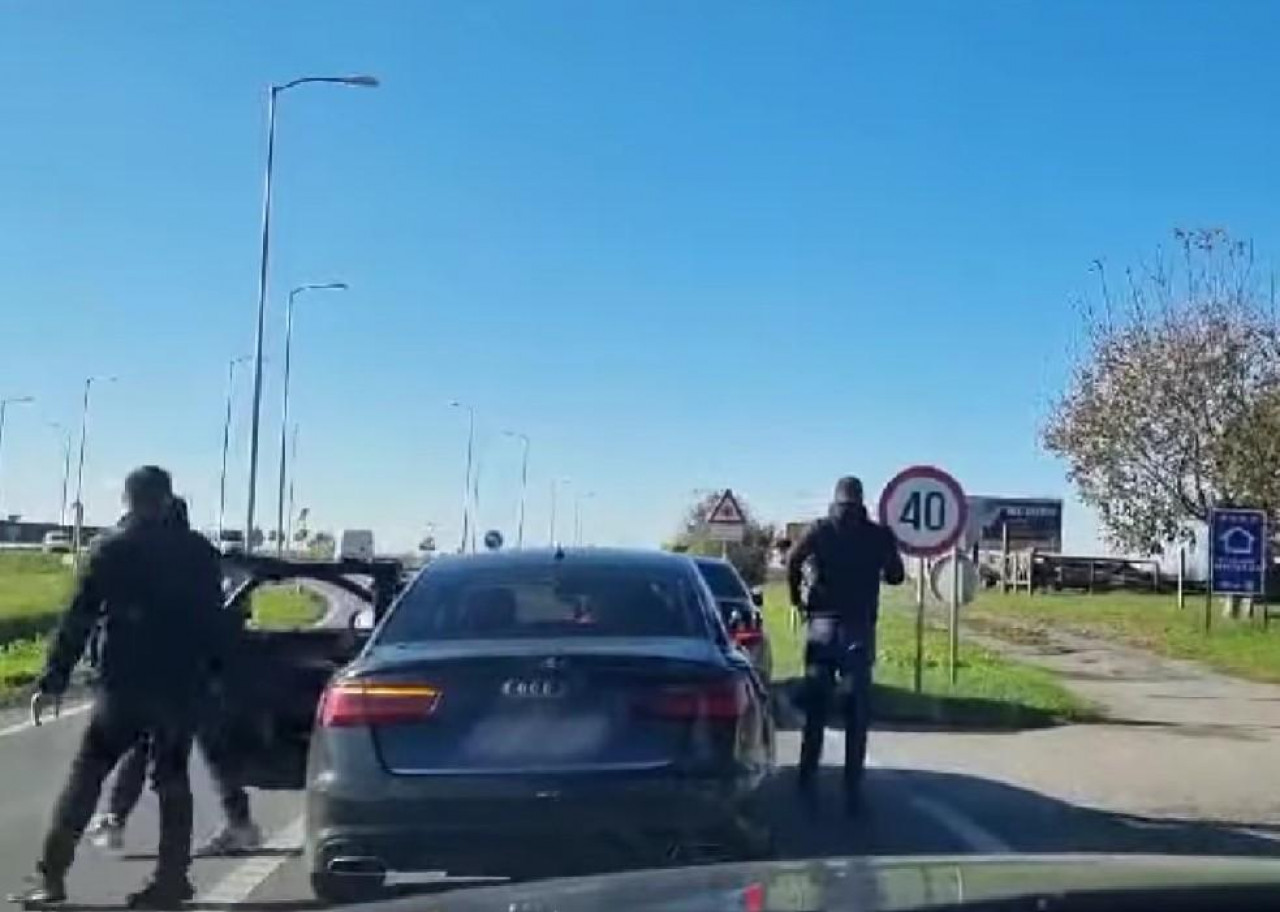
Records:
x=1238, y=540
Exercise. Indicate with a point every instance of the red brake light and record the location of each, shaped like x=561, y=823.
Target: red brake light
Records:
x=748, y=637
x=718, y=700
x=348, y=704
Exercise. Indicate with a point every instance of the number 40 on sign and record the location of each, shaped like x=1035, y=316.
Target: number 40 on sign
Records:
x=925, y=508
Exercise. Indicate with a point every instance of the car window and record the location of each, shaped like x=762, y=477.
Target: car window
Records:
x=724, y=583
x=536, y=602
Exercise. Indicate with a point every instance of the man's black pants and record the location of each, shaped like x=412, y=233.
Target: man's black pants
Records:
x=116, y=725
x=837, y=666
x=218, y=757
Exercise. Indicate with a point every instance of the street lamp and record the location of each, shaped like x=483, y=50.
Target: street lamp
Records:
x=226, y=441
x=293, y=467
x=524, y=483
x=275, y=90
x=4, y=405
x=79, y=504
x=284, y=408
x=466, y=481
x=66, y=469
x=577, y=515
x=555, y=483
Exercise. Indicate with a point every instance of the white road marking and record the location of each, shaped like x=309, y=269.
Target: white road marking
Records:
x=67, y=711
x=239, y=883
x=963, y=827
x=975, y=836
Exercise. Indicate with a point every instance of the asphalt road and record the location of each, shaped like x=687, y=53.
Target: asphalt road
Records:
x=1158, y=780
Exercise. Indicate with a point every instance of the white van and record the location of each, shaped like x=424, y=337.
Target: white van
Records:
x=354, y=544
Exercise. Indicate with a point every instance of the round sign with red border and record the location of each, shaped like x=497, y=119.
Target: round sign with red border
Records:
x=926, y=510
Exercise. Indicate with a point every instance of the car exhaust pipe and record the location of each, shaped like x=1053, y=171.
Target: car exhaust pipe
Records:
x=357, y=866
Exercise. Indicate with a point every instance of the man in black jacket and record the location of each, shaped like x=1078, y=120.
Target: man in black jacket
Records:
x=847, y=557
x=239, y=833
x=156, y=590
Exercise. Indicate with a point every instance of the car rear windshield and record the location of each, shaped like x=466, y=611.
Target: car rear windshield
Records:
x=537, y=601
x=723, y=581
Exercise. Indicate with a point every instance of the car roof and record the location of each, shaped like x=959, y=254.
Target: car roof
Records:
x=603, y=558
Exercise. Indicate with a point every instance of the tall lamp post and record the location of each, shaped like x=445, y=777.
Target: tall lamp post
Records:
x=293, y=467
x=272, y=95
x=466, y=481
x=78, y=529
x=4, y=407
x=524, y=484
x=284, y=406
x=226, y=441
x=66, y=469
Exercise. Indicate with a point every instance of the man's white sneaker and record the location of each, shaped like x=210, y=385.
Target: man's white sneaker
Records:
x=233, y=839
x=107, y=832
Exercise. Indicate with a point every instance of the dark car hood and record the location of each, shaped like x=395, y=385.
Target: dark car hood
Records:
x=855, y=884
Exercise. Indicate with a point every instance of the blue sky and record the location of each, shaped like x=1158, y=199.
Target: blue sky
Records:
x=681, y=245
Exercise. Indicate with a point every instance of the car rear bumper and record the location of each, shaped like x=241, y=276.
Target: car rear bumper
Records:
x=515, y=825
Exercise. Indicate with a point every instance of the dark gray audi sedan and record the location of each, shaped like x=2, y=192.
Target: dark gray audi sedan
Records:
x=532, y=712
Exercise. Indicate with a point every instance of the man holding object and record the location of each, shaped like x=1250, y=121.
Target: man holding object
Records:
x=156, y=589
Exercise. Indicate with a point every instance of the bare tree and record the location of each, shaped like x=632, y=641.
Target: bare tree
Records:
x=1174, y=405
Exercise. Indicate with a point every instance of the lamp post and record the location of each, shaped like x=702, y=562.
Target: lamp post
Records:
x=293, y=467
x=524, y=484
x=226, y=442
x=284, y=406
x=272, y=94
x=466, y=481
x=66, y=469
x=4, y=407
x=78, y=528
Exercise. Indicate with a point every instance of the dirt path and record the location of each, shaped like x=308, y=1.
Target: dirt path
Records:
x=1179, y=741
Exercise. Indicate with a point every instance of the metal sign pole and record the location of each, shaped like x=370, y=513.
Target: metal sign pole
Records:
x=953, y=657
x=919, y=671
x=1182, y=576
x=1208, y=596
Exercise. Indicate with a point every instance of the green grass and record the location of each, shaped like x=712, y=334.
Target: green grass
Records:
x=20, y=664
x=286, y=606
x=1152, y=622
x=34, y=589
x=276, y=607
x=990, y=690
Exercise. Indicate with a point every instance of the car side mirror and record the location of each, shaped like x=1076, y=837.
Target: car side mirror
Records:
x=757, y=597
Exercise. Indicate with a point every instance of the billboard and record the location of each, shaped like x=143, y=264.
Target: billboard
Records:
x=1033, y=522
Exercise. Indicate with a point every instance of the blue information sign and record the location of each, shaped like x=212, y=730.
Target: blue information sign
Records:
x=1237, y=548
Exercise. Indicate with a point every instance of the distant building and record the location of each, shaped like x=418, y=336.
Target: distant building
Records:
x=23, y=532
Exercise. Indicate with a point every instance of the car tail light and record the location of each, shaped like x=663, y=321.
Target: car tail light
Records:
x=748, y=637
x=348, y=704
x=716, y=700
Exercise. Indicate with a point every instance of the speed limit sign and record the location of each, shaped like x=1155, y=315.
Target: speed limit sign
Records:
x=926, y=509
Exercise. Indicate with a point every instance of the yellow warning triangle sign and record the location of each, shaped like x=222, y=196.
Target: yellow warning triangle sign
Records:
x=727, y=511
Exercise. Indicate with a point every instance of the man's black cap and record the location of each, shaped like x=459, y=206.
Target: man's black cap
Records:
x=848, y=491
x=148, y=486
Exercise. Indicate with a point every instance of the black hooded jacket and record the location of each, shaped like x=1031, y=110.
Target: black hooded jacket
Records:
x=156, y=590
x=850, y=555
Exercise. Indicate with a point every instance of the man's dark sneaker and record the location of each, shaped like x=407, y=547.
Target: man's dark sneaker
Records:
x=161, y=895
x=47, y=891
